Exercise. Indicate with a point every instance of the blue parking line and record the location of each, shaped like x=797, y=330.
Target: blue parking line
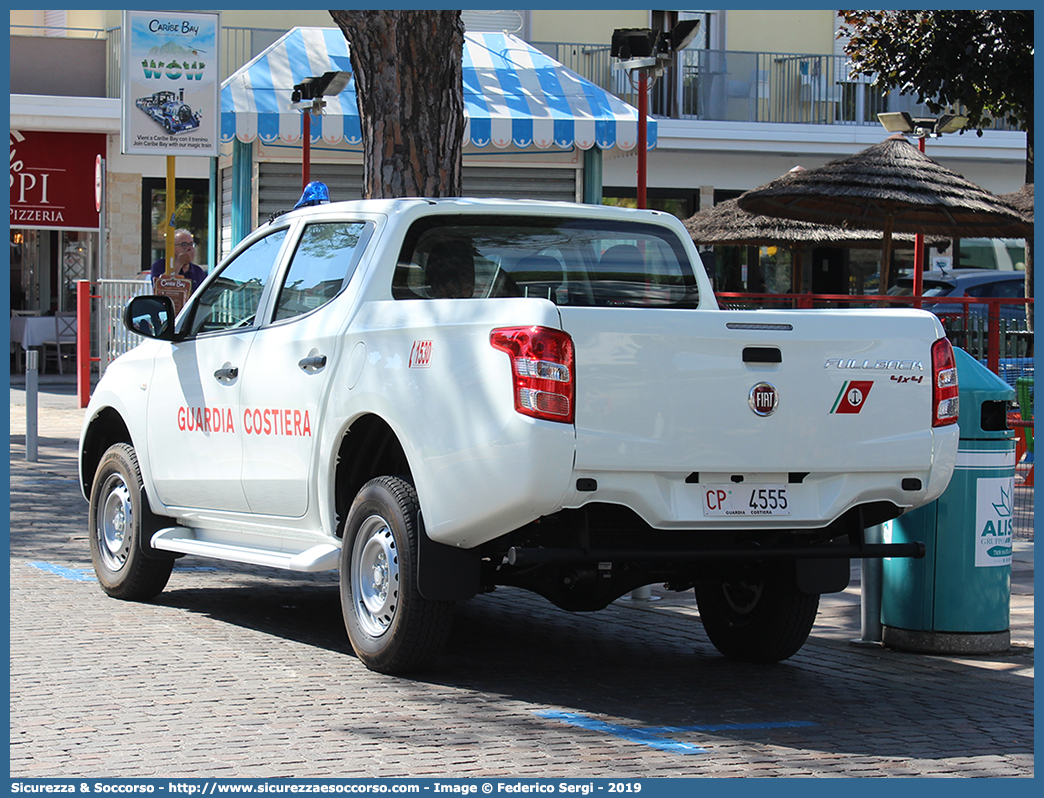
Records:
x=87, y=575
x=49, y=481
x=656, y=736
x=63, y=572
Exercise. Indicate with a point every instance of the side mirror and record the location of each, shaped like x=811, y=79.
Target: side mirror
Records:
x=151, y=316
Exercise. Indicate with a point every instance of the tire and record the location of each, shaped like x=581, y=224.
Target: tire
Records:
x=115, y=530
x=392, y=628
x=759, y=621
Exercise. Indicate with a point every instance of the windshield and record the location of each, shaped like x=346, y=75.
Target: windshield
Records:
x=905, y=288
x=567, y=261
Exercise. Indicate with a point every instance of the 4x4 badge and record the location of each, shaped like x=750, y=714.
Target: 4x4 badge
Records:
x=763, y=399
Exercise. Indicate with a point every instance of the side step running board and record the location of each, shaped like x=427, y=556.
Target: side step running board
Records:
x=321, y=557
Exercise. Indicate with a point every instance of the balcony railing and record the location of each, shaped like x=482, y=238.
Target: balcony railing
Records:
x=63, y=32
x=738, y=86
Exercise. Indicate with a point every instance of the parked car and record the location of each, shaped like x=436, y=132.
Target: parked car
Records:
x=978, y=283
x=1003, y=254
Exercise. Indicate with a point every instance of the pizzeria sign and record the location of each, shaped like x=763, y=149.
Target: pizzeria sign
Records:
x=53, y=179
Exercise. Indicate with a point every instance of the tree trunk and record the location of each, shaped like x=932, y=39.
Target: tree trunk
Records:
x=409, y=81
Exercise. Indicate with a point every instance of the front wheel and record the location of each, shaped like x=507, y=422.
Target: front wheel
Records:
x=391, y=626
x=762, y=620
x=115, y=529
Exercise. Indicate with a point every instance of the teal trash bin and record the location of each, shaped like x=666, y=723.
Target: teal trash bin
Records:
x=957, y=598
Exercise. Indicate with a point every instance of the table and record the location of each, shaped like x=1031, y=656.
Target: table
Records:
x=33, y=331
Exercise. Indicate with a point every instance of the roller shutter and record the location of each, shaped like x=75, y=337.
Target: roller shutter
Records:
x=225, y=241
x=280, y=184
x=521, y=183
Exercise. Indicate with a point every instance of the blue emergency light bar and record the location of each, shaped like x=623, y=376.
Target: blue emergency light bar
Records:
x=315, y=193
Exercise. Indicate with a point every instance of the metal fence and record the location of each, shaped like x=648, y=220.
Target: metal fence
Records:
x=113, y=336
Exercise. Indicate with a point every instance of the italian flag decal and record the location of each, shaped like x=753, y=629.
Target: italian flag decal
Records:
x=852, y=396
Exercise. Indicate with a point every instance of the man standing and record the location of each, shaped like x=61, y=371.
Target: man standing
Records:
x=184, y=252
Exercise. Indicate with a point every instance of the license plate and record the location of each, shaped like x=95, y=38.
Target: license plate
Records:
x=738, y=501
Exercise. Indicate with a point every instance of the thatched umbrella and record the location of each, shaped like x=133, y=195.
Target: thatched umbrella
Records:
x=1021, y=200
x=891, y=187
x=726, y=224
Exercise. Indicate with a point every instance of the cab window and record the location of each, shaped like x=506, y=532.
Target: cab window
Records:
x=231, y=299
x=567, y=261
x=323, y=264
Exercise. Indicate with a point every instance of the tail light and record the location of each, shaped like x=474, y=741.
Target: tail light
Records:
x=542, y=369
x=945, y=403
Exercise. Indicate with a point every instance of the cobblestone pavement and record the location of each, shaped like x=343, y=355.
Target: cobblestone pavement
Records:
x=243, y=672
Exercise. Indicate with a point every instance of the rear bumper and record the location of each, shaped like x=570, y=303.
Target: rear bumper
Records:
x=678, y=500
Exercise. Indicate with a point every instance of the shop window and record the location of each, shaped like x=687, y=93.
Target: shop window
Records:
x=679, y=202
x=191, y=211
x=46, y=265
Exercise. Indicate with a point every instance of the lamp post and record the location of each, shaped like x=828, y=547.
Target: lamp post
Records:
x=922, y=128
x=308, y=96
x=647, y=52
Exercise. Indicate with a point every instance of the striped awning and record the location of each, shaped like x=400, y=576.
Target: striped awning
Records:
x=513, y=95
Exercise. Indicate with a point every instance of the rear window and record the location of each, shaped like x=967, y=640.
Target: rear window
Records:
x=1009, y=289
x=567, y=261
x=929, y=288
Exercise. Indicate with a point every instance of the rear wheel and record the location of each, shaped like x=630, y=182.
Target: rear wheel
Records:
x=115, y=529
x=763, y=620
x=392, y=627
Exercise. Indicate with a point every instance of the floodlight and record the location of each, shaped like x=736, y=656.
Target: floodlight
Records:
x=636, y=43
x=683, y=33
x=897, y=122
x=950, y=123
x=328, y=84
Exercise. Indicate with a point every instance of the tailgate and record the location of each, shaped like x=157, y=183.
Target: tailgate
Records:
x=668, y=392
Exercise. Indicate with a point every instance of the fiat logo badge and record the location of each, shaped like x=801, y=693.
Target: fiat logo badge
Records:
x=763, y=399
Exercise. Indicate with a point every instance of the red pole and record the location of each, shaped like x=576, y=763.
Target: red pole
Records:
x=306, y=124
x=83, y=341
x=993, y=335
x=918, y=279
x=643, y=110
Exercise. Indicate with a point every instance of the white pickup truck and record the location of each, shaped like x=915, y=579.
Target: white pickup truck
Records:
x=439, y=397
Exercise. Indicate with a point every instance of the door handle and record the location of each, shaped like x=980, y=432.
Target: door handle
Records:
x=313, y=363
x=227, y=373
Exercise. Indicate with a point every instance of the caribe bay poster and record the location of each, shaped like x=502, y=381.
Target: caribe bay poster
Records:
x=171, y=84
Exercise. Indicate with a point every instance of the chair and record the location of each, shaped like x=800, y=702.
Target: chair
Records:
x=64, y=344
